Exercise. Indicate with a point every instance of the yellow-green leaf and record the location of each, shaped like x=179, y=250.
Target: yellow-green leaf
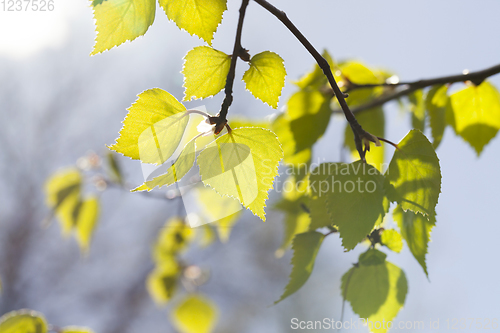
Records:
x=161, y=283
x=305, y=248
x=436, y=101
x=375, y=288
x=63, y=195
x=242, y=164
x=195, y=314
x=23, y=321
x=120, y=20
x=392, y=239
x=416, y=230
x=179, y=169
x=475, y=114
x=266, y=77
x=76, y=329
x=373, y=121
x=174, y=237
x=353, y=195
x=205, y=72
x=316, y=78
x=414, y=174
x=153, y=128
x=86, y=222
x=197, y=17
x=282, y=127
x=358, y=73
x=417, y=108
x=114, y=170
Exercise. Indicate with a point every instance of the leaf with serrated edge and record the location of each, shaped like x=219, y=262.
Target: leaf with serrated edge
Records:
x=197, y=17
x=354, y=197
x=121, y=20
x=476, y=114
x=195, y=314
x=414, y=174
x=205, y=72
x=86, y=222
x=153, y=128
x=376, y=289
x=266, y=77
x=392, y=240
x=436, y=101
x=305, y=248
x=416, y=231
x=176, y=172
x=23, y=321
x=242, y=164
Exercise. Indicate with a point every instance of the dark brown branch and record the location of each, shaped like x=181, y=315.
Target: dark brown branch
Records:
x=361, y=137
x=475, y=77
x=237, y=50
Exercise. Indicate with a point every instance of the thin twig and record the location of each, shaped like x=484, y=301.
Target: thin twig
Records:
x=360, y=135
x=475, y=77
x=237, y=50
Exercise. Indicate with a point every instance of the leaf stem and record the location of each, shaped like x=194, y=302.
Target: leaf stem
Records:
x=475, y=77
x=360, y=135
x=237, y=50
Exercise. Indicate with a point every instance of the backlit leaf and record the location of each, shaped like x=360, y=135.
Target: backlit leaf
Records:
x=316, y=78
x=475, y=114
x=161, y=283
x=197, y=17
x=205, y=72
x=120, y=20
x=176, y=172
x=358, y=73
x=174, y=237
x=242, y=164
x=354, y=197
x=305, y=248
x=392, y=239
x=436, y=101
x=86, y=222
x=76, y=329
x=23, y=321
x=375, y=288
x=414, y=174
x=195, y=314
x=282, y=127
x=417, y=108
x=266, y=77
x=373, y=121
x=153, y=127
x=416, y=230
x=114, y=170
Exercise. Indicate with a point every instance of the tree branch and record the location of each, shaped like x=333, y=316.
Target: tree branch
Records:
x=361, y=137
x=475, y=77
x=221, y=120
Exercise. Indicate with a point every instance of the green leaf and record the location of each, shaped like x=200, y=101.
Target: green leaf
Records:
x=416, y=230
x=373, y=121
x=23, y=321
x=316, y=78
x=375, y=288
x=153, y=128
x=358, y=73
x=86, y=222
x=239, y=121
x=414, y=174
x=217, y=209
x=176, y=172
x=195, y=314
x=305, y=248
x=266, y=77
x=417, y=108
x=174, y=238
x=392, y=240
x=354, y=198
x=161, y=283
x=76, y=329
x=63, y=194
x=205, y=72
x=197, y=17
x=114, y=170
x=120, y=20
x=242, y=164
x=436, y=101
x=281, y=126
x=475, y=114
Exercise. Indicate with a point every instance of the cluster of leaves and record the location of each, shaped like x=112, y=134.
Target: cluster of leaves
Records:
x=29, y=321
